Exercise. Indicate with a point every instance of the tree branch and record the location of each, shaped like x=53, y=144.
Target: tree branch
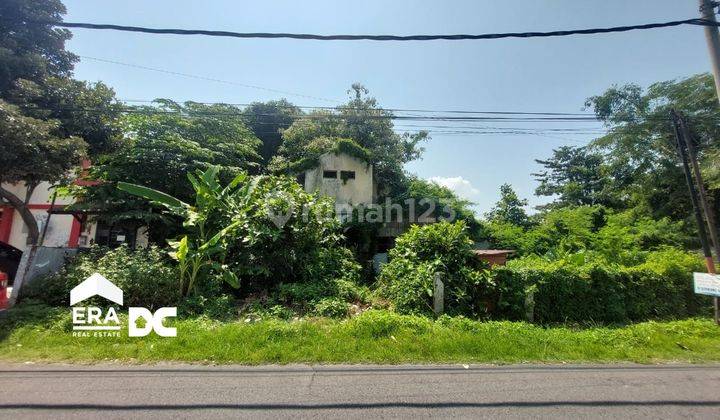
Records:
x=25, y=213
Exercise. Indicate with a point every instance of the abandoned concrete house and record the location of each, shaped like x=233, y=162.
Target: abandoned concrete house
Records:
x=348, y=179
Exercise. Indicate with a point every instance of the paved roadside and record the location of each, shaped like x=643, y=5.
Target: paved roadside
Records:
x=170, y=391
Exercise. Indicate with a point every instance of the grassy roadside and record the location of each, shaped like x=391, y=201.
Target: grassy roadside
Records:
x=39, y=333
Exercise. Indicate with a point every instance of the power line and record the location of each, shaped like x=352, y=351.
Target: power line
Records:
x=211, y=79
x=450, y=130
x=349, y=108
x=457, y=37
x=376, y=116
x=373, y=114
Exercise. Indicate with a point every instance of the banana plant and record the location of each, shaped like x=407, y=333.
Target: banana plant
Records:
x=203, y=247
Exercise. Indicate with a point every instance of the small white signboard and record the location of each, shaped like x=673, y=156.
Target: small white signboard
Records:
x=707, y=284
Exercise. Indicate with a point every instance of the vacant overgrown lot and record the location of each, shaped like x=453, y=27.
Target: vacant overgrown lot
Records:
x=41, y=333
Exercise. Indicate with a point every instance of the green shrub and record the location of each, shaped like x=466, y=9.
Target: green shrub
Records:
x=660, y=288
x=297, y=246
x=331, y=307
x=378, y=324
x=407, y=280
x=333, y=276
x=145, y=276
x=209, y=299
x=281, y=312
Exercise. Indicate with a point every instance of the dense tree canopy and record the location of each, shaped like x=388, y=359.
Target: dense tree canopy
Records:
x=268, y=120
x=86, y=110
x=50, y=121
x=163, y=144
x=362, y=121
x=29, y=50
x=639, y=148
x=31, y=152
x=576, y=175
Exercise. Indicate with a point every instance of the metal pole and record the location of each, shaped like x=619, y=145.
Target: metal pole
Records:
x=707, y=208
x=707, y=12
x=709, y=263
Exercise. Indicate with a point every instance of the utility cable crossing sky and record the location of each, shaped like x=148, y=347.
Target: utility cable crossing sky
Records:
x=475, y=116
x=315, y=37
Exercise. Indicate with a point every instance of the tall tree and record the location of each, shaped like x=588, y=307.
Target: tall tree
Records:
x=268, y=120
x=576, y=175
x=29, y=50
x=163, y=143
x=32, y=153
x=510, y=208
x=367, y=124
x=67, y=118
x=640, y=143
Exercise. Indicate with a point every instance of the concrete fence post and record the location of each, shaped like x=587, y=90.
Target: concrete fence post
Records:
x=438, y=294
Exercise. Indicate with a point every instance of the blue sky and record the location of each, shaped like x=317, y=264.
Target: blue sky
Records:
x=543, y=75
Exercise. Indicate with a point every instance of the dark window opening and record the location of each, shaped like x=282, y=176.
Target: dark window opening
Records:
x=330, y=174
x=112, y=236
x=345, y=175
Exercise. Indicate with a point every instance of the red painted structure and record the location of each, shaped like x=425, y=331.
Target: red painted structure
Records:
x=6, y=223
x=3, y=290
x=6, y=220
x=7, y=212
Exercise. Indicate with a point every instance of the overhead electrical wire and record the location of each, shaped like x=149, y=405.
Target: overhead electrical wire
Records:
x=211, y=79
x=388, y=116
x=470, y=117
x=455, y=37
x=344, y=107
x=378, y=116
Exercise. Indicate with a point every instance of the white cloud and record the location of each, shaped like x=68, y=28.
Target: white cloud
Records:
x=459, y=185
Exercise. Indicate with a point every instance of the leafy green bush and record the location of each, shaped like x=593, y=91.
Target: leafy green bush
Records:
x=259, y=234
x=332, y=276
x=302, y=244
x=146, y=277
x=407, y=280
x=660, y=288
x=331, y=307
x=615, y=237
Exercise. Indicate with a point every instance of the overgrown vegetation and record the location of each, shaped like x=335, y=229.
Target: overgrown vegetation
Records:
x=236, y=237
x=587, y=291
x=147, y=277
x=40, y=333
x=443, y=248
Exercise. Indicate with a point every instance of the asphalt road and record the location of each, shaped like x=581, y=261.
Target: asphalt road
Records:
x=171, y=391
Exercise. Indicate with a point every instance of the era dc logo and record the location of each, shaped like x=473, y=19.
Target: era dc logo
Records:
x=88, y=321
x=153, y=322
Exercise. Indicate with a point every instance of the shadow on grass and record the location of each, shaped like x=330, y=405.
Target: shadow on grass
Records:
x=28, y=314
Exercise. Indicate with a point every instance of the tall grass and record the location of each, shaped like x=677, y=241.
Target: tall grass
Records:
x=39, y=333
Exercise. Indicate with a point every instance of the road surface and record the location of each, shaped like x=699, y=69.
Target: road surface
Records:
x=172, y=391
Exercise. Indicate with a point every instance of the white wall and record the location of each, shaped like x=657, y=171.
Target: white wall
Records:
x=57, y=235
x=353, y=191
x=41, y=195
x=58, y=231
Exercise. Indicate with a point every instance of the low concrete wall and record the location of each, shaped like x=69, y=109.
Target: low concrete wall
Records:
x=37, y=262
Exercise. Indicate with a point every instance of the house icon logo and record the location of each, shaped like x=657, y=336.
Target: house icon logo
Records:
x=96, y=285
x=92, y=321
